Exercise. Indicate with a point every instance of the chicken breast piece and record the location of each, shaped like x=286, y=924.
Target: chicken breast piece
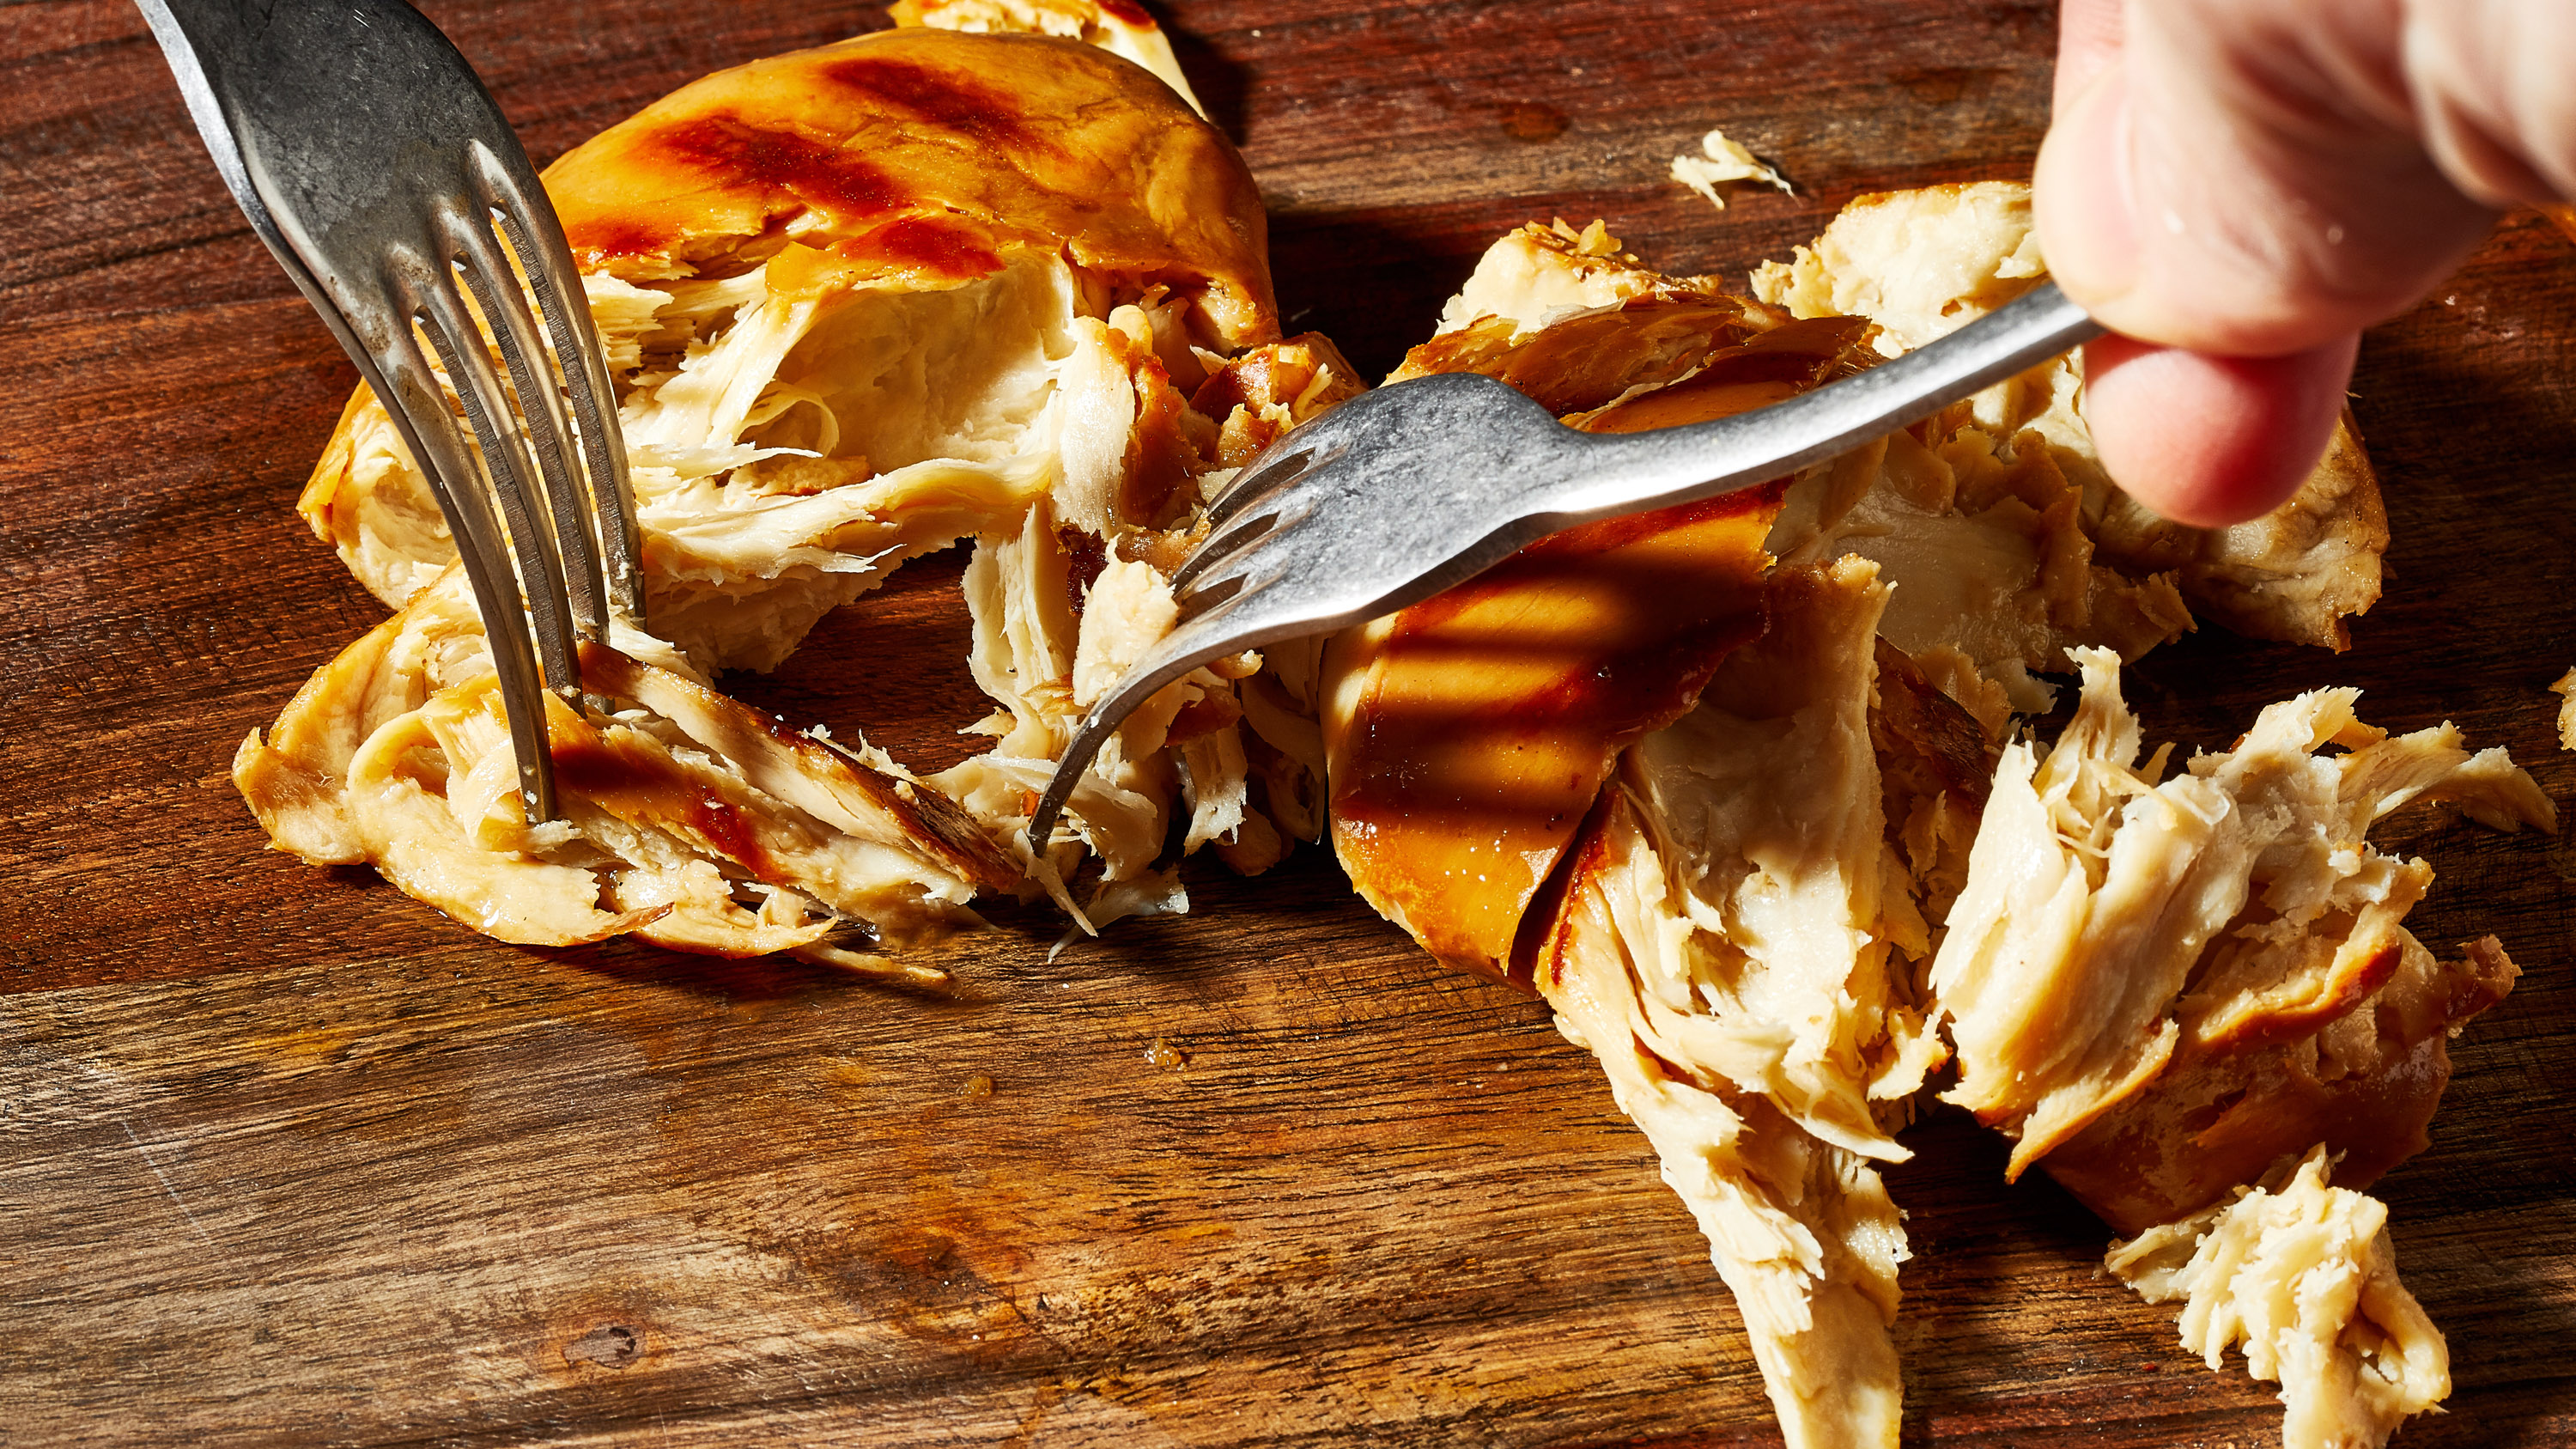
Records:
x=1923, y=263
x=1801, y=1231
x=689, y=821
x=2300, y=1276
x=1468, y=737
x=1539, y=274
x=1726, y=947
x=832, y=268
x=1984, y=537
x=1742, y=932
x=935, y=284
x=1120, y=27
x=2161, y=987
x=2364, y=1084
x=2110, y=917
x=1970, y=514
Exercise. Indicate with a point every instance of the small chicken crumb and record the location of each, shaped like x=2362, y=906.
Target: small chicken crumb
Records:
x=2565, y=689
x=1167, y=1056
x=977, y=1085
x=1722, y=165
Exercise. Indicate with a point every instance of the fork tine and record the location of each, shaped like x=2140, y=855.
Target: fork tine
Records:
x=1184, y=649
x=1269, y=473
x=537, y=237
x=1220, y=549
x=495, y=285
x=1233, y=542
x=508, y=470
x=418, y=406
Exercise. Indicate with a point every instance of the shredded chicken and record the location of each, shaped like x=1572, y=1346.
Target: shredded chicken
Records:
x=790, y=451
x=1984, y=538
x=1722, y=165
x=2158, y=987
x=1975, y=516
x=1739, y=933
x=1754, y=847
x=2111, y=917
x=1539, y=274
x=1057, y=342
x=2299, y=573
x=1467, y=739
x=2565, y=689
x=1734, y=951
x=689, y=821
x=1768, y=798
x=1935, y=766
x=2152, y=983
x=2301, y=1276
x=1923, y=263
x=1920, y=264
x=1121, y=29
x=2365, y=1084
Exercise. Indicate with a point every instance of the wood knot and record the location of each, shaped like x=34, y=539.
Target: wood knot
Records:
x=611, y=1346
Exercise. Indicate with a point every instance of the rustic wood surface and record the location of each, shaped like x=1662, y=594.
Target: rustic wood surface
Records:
x=287, y=1159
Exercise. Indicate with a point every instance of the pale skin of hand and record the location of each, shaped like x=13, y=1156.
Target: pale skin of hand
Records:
x=2238, y=187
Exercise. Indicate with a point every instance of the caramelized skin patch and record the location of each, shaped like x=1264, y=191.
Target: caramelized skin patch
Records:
x=1482, y=723
x=2365, y=1086
x=975, y=112
x=641, y=785
x=984, y=140
x=1767, y=368
x=852, y=795
x=928, y=249
x=725, y=150
x=1587, y=361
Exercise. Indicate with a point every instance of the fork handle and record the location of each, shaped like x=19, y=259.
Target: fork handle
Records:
x=1634, y=472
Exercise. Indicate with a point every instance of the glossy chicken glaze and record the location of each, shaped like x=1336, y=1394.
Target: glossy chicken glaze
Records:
x=1471, y=733
x=924, y=154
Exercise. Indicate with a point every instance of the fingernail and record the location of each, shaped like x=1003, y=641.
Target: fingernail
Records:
x=2081, y=194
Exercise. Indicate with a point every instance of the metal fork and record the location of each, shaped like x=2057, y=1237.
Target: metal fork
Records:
x=379, y=172
x=1402, y=492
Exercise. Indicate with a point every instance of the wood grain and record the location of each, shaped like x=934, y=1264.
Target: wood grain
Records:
x=287, y=1159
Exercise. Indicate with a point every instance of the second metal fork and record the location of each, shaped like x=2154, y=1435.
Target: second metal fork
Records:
x=1400, y=493
x=377, y=168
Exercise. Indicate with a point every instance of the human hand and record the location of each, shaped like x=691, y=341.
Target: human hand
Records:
x=2238, y=187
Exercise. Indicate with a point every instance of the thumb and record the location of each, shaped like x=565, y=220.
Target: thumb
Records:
x=2248, y=179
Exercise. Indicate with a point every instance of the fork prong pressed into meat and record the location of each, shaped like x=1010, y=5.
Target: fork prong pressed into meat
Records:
x=1267, y=476
x=1402, y=492
x=497, y=294
x=503, y=440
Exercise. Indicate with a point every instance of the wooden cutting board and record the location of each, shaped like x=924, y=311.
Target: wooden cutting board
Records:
x=285, y=1158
